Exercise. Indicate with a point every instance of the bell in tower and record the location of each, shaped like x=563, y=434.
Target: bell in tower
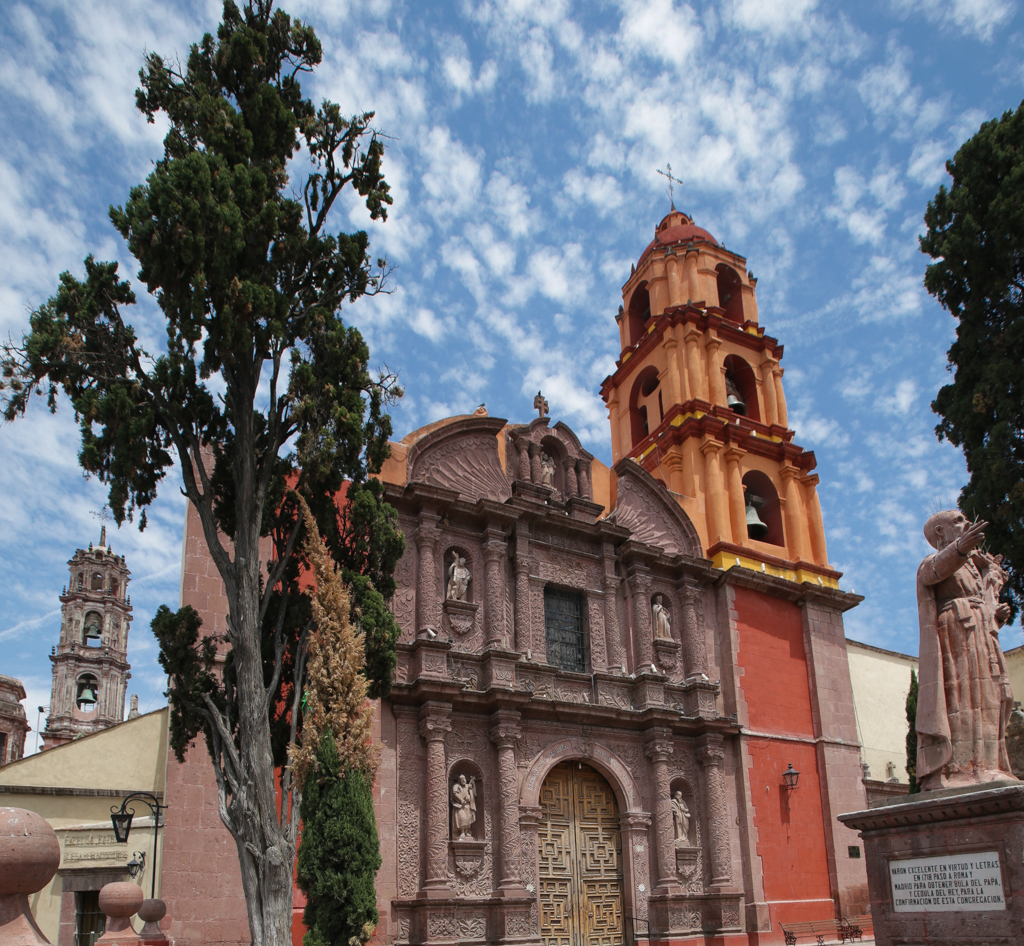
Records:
x=756, y=529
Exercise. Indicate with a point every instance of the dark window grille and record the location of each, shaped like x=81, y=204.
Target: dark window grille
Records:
x=563, y=630
x=89, y=919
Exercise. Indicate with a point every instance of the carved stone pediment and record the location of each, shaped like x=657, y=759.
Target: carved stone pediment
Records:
x=460, y=616
x=468, y=856
x=647, y=509
x=462, y=456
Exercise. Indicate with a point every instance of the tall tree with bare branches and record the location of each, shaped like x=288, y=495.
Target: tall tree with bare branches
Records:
x=260, y=387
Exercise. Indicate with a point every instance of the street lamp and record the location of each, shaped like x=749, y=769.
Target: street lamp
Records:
x=121, y=819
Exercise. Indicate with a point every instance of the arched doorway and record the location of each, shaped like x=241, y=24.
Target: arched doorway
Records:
x=579, y=870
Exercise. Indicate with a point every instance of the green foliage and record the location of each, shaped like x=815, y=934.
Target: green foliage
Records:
x=976, y=235
x=188, y=660
x=912, y=733
x=339, y=854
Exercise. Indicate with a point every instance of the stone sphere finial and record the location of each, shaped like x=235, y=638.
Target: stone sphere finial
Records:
x=119, y=901
x=29, y=857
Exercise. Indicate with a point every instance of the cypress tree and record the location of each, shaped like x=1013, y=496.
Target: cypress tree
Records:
x=339, y=854
x=912, y=733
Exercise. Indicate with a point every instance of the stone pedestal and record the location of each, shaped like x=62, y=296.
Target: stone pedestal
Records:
x=151, y=913
x=946, y=868
x=119, y=902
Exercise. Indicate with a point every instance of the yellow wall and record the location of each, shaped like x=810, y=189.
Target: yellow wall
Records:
x=1015, y=668
x=881, y=681
x=129, y=757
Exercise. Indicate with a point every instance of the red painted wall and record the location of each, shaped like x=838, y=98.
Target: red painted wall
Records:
x=774, y=680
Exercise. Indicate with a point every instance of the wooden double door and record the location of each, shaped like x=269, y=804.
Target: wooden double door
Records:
x=580, y=859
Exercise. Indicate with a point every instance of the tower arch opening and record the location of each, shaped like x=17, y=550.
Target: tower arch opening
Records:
x=730, y=292
x=741, y=385
x=644, y=401
x=764, y=512
x=639, y=313
x=92, y=629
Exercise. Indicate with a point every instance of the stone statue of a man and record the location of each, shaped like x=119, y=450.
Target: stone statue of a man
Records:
x=547, y=471
x=458, y=579
x=681, y=817
x=463, y=807
x=964, y=697
x=662, y=621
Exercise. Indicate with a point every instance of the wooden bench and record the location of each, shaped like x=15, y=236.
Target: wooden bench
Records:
x=819, y=929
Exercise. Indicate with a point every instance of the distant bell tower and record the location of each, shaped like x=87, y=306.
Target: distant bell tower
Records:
x=697, y=399
x=90, y=663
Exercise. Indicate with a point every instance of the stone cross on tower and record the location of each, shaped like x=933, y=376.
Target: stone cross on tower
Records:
x=540, y=404
x=668, y=173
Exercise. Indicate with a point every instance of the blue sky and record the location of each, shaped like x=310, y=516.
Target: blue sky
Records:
x=526, y=136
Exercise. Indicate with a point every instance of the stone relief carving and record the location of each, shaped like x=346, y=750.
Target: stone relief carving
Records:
x=441, y=925
x=403, y=604
x=458, y=580
x=463, y=796
x=646, y=509
x=517, y=924
x=684, y=918
x=731, y=914
x=408, y=810
x=462, y=456
x=402, y=933
x=472, y=927
x=464, y=671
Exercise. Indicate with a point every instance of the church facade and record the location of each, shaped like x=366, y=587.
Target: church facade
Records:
x=622, y=707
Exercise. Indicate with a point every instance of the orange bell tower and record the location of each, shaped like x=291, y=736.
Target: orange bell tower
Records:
x=697, y=399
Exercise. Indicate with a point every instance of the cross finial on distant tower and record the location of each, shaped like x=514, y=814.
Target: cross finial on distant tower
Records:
x=540, y=404
x=104, y=517
x=671, y=180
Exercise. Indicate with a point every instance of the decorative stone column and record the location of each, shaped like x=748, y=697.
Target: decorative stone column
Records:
x=659, y=751
x=524, y=458
x=675, y=388
x=695, y=652
x=504, y=733
x=571, y=486
x=494, y=547
x=529, y=828
x=535, y=463
x=780, y=397
x=711, y=755
x=768, y=390
x=716, y=375
x=521, y=618
x=583, y=478
x=614, y=635
x=639, y=578
x=737, y=505
x=436, y=720
x=691, y=277
x=815, y=526
x=697, y=388
x=716, y=516
x=428, y=602
x=794, y=513
x=634, y=827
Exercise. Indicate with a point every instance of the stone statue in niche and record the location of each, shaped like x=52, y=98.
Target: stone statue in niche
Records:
x=964, y=700
x=458, y=579
x=547, y=471
x=463, y=808
x=662, y=621
x=681, y=817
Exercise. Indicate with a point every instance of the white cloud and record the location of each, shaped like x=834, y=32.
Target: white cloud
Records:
x=661, y=29
x=901, y=400
x=977, y=17
x=772, y=16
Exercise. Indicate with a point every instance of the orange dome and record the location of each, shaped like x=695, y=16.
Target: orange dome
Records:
x=678, y=228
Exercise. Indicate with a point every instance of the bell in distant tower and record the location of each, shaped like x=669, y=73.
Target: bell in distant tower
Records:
x=90, y=665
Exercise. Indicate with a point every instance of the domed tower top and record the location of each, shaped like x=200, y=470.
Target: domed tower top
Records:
x=697, y=399
x=90, y=661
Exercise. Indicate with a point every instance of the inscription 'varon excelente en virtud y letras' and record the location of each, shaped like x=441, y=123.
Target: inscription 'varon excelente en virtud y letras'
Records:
x=947, y=883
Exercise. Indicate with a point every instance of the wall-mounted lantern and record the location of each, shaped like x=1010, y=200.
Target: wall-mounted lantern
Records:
x=137, y=864
x=121, y=819
x=791, y=778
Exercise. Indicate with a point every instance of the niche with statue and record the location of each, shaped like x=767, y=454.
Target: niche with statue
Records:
x=466, y=818
x=686, y=828
x=460, y=609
